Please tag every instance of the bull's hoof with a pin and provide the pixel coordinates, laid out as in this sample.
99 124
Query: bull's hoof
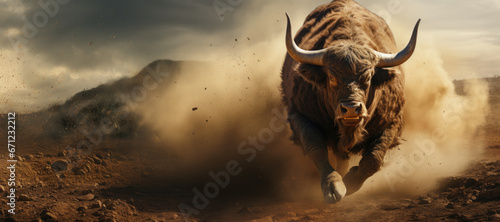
333 188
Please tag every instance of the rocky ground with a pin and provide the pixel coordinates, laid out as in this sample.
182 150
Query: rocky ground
123 179
112 185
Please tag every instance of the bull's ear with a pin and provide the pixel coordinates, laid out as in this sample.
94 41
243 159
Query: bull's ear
312 74
383 75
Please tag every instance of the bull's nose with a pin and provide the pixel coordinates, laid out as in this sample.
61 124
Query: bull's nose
350 108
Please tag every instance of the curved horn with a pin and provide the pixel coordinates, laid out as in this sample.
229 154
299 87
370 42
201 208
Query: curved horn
396 59
314 57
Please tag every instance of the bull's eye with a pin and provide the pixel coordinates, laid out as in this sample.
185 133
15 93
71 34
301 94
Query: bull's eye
366 82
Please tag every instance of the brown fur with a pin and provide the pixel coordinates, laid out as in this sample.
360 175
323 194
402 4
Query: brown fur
312 91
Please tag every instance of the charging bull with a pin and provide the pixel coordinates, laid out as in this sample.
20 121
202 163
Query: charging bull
343 86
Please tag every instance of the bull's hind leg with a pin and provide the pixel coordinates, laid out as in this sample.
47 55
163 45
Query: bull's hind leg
314 144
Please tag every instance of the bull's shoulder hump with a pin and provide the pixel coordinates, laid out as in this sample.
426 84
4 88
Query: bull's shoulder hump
341 20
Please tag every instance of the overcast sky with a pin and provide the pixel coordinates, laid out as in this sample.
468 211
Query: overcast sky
45 57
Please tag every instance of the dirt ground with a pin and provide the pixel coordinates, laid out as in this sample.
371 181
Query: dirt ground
120 180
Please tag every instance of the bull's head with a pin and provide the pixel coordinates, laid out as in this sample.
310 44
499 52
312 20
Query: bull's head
349 68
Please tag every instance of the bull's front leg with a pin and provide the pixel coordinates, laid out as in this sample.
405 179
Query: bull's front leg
368 165
371 161
313 141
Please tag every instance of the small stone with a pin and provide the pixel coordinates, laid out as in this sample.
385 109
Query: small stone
82 208
96 160
86 167
29 157
62 153
87 197
97 204
425 201
60 165
2 189
48 216
98 213
24 197
19 158
112 206
80 172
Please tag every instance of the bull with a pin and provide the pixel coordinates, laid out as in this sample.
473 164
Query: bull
342 85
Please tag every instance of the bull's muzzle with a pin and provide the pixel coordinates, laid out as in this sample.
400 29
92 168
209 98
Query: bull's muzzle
352 113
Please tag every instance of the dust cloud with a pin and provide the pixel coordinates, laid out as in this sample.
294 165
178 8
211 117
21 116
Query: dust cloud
440 134
208 110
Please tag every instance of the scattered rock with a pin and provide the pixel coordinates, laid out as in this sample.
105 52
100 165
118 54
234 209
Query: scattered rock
19 158
60 165
97 204
98 155
24 197
425 200
2 189
87 197
82 208
80 172
86 167
98 213
48 216
111 205
96 160
62 153
29 157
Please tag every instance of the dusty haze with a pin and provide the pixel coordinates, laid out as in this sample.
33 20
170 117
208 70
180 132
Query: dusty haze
235 96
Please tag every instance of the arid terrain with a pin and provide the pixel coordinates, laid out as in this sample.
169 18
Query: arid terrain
69 171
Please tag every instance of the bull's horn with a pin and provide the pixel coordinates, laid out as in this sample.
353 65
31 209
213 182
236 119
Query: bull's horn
396 59
314 57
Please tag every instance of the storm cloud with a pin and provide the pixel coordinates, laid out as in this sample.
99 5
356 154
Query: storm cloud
87 43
